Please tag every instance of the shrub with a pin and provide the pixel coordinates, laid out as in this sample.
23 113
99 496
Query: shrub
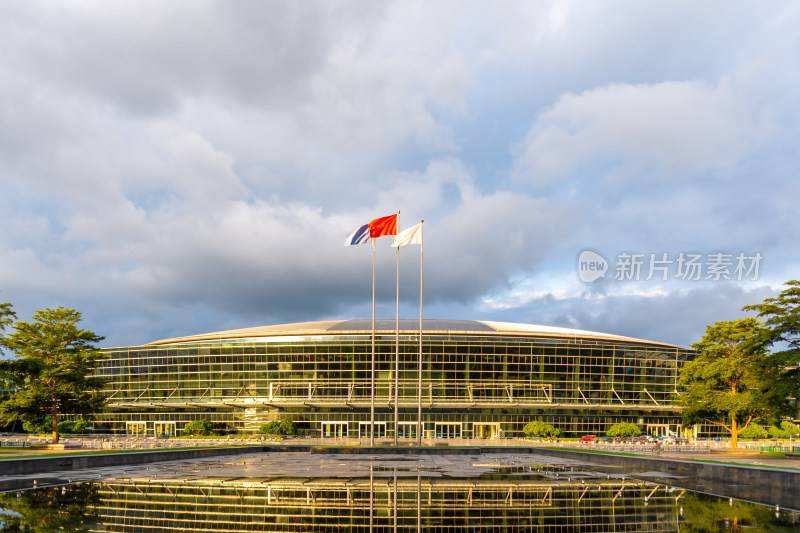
754 431
777 433
787 426
72 426
279 427
80 425
782 432
200 427
624 429
538 428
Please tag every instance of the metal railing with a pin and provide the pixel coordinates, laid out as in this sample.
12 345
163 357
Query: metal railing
140 442
773 448
14 443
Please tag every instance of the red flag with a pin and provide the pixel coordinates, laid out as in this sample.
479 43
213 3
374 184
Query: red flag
383 226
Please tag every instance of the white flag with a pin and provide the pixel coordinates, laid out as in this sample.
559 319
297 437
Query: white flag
412 235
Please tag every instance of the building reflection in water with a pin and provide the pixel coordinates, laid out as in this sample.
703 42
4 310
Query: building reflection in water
387 500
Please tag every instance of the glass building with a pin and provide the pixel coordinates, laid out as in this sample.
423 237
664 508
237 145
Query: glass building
480 380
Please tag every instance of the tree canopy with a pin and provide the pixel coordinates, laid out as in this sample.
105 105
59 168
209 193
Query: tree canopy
624 429
7 316
279 427
53 373
782 318
202 427
539 428
735 380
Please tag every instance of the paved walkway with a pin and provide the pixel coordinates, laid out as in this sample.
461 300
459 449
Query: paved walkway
712 454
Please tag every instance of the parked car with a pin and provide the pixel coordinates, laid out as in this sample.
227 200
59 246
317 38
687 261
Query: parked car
589 438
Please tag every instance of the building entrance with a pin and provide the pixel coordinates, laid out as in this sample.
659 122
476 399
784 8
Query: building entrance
135 428
486 430
448 430
658 430
164 429
334 430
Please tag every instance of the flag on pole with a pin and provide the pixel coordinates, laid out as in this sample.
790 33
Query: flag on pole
412 235
359 236
383 226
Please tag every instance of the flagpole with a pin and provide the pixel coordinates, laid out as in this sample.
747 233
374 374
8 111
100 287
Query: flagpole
397 345
372 378
420 426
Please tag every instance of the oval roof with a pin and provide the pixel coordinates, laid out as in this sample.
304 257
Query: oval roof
407 326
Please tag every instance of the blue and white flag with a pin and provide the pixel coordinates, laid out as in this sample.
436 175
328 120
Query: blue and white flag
359 236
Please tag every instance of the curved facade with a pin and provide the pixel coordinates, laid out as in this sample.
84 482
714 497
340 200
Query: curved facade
479 380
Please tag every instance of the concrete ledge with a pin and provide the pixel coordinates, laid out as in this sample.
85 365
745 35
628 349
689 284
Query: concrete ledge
35 465
770 486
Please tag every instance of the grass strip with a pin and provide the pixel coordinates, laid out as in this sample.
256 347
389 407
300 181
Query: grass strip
114 452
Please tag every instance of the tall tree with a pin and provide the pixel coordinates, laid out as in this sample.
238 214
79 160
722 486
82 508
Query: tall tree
782 316
734 380
7 316
53 371
782 319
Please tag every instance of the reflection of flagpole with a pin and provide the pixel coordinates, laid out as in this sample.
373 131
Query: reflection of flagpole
420 426
397 345
372 378
371 496
395 496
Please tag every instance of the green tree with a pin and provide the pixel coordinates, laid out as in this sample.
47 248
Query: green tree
200 427
279 427
624 429
539 428
734 380
782 318
287 427
38 425
53 372
7 316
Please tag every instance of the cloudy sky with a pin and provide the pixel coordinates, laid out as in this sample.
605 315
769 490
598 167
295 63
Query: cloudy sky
178 167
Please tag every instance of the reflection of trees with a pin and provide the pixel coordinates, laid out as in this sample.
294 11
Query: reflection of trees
708 513
50 509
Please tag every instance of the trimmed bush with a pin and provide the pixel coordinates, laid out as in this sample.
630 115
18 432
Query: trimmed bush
754 431
624 429
538 428
200 427
72 426
80 425
279 427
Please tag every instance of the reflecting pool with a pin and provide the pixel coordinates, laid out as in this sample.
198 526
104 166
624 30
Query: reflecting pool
278 492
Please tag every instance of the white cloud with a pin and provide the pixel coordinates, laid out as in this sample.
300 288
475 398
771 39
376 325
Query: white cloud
669 130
